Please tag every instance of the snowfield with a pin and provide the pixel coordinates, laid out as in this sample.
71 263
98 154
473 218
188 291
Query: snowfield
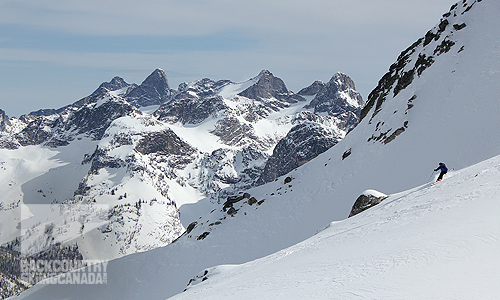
436 241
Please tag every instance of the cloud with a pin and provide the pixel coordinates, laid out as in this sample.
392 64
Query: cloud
202 17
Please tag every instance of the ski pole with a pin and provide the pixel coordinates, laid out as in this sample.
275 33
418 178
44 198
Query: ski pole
431 176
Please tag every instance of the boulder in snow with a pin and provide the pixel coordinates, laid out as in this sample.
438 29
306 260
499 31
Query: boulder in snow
368 199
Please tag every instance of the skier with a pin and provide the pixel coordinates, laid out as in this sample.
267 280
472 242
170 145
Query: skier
443 169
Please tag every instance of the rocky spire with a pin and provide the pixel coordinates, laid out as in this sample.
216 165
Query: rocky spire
4 120
269 86
154 90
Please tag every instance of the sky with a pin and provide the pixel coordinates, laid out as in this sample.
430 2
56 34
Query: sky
55 52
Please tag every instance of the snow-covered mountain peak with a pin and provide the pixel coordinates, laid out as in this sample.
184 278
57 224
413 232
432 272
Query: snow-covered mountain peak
343 83
116 83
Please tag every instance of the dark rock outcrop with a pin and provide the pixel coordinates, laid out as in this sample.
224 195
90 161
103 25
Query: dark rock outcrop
165 142
301 144
154 90
4 121
366 201
436 42
188 109
331 99
313 89
234 133
193 103
115 84
268 86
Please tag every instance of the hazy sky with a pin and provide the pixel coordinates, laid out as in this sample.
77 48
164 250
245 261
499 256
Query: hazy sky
54 52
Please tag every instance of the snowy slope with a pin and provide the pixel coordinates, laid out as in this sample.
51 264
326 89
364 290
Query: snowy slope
19 168
432 242
452 118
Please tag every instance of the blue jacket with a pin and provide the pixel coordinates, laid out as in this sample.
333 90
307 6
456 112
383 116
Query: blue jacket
443 168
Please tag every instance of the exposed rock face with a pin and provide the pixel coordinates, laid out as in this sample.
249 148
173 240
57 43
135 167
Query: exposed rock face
436 42
301 144
115 84
331 99
4 121
8 128
165 142
232 132
45 112
92 119
202 88
313 89
367 200
334 102
193 103
268 87
188 109
154 90
329 96
95 119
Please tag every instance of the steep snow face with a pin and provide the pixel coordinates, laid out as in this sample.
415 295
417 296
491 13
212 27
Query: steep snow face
431 242
437 102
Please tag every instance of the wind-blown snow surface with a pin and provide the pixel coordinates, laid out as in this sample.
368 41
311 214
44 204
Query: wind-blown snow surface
432 242
452 119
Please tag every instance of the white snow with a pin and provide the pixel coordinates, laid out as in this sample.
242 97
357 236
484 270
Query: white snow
149 109
232 89
433 242
25 170
374 193
199 136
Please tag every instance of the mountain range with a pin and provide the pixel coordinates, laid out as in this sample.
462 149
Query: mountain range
288 236
128 156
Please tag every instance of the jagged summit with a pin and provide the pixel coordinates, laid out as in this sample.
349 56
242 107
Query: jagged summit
154 90
4 120
268 86
338 96
114 84
158 80
313 89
